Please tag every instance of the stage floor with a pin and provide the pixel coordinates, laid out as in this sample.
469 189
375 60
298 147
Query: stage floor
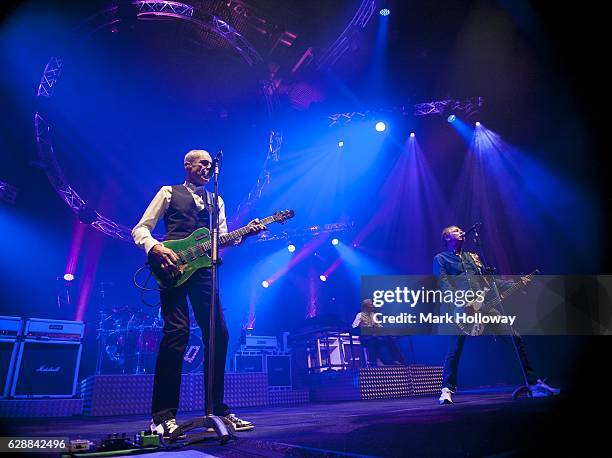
479 423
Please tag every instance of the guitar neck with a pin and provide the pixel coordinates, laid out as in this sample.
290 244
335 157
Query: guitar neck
225 239
228 238
512 290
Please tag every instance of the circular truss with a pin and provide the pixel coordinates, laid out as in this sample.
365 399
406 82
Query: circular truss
111 17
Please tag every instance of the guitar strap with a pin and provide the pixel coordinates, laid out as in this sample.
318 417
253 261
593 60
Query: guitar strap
207 199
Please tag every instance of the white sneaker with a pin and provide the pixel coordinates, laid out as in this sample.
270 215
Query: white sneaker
541 390
236 424
166 428
445 397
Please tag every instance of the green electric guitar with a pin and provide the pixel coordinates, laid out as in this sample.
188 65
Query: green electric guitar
194 251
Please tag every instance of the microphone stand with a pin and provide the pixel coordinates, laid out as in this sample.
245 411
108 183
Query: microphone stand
524 389
210 420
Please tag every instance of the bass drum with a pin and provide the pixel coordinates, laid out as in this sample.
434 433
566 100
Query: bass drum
193 359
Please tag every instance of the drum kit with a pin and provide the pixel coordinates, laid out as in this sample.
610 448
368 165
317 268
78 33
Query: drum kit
129 338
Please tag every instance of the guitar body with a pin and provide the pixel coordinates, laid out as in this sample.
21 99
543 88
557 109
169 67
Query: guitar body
194 259
194 251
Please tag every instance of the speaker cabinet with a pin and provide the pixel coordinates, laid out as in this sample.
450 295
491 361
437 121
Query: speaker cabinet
279 370
46 369
248 363
11 329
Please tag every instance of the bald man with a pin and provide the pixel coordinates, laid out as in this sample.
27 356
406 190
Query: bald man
185 208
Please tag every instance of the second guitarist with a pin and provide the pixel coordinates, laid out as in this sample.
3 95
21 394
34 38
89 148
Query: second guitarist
459 269
184 209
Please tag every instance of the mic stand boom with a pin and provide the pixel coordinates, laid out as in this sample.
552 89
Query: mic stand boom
210 420
512 335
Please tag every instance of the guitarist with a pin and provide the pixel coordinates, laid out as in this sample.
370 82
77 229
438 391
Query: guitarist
185 208
458 269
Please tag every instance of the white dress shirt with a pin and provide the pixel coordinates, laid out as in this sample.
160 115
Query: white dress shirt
158 206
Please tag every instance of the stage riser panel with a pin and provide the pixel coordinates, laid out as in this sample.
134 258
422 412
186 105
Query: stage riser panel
388 382
131 394
38 408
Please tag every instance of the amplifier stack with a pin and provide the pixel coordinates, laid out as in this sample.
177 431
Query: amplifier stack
263 354
40 357
11 329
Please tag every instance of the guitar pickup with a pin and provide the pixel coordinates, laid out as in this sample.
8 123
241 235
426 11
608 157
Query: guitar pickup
192 256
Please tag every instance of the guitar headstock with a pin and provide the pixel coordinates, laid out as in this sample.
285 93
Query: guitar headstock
284 215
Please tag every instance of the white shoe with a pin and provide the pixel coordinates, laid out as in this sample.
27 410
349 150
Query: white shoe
235 424
166 428
541 390
445 396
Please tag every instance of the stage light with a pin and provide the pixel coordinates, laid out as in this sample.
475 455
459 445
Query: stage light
380 126
265 284
68 277
322 278
412 135
451 118
335 242
477 123
340 144
291 248
385 12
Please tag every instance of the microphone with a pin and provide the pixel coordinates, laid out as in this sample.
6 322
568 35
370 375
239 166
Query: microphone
214 164
475 227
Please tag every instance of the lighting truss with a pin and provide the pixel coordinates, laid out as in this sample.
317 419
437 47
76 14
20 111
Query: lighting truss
179 9
343 42
8 193
306 232
52 72
468 106
274 146
440 107
107 17
275 141
153 9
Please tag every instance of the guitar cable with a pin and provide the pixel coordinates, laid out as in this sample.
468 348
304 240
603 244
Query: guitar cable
143 288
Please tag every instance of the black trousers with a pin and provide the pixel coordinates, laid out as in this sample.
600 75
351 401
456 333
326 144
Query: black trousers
451 363
168 368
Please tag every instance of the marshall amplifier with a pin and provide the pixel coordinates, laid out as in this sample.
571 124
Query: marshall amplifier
48 359
10 330
46 369
43 329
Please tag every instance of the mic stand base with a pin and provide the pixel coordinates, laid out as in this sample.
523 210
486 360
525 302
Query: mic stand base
522 391
208 421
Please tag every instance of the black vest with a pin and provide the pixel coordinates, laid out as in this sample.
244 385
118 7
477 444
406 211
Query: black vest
182 216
